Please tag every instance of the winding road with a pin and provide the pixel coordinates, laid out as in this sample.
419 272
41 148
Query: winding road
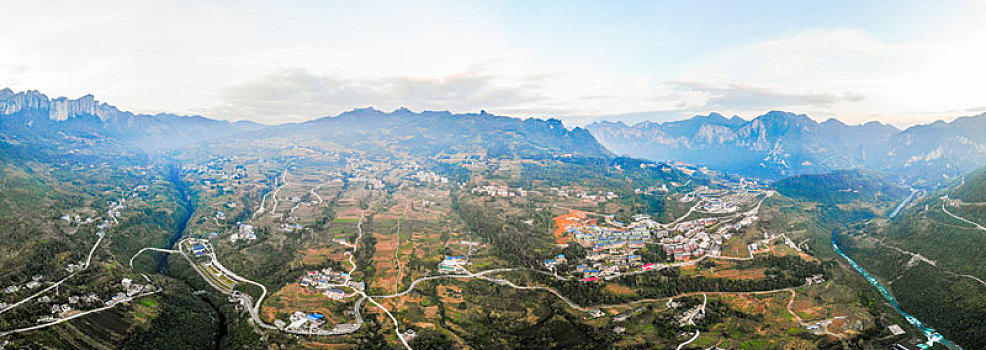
60 282
978 226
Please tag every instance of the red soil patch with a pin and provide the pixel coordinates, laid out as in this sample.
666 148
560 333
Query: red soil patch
568 221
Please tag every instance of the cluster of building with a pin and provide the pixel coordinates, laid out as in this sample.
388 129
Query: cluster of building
215 171
291 227
429 177
452 263
554 262
690 240
77 219
691 315
245 233
327 281
371 183
614 249
499 191
57 309
130 289
302 321
594 196
815 279
718 206
652 190
762 244
199 249
34 283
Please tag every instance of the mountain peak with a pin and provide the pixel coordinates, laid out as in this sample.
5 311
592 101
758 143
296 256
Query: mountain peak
715 115
357 112
785 114
58 109
833 123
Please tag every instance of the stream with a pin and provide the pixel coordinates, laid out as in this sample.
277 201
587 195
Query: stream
932 335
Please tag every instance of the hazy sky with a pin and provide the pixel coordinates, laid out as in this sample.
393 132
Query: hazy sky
894 61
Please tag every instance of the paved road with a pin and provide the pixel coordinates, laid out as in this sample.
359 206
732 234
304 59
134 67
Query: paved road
169 251
689 340
978 226
69 318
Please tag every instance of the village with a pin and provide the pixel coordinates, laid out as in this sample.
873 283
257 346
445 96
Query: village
67 303
614 248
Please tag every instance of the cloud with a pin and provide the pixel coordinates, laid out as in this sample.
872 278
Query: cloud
295 94
744 97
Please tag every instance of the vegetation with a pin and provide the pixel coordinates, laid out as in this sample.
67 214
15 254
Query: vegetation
839 187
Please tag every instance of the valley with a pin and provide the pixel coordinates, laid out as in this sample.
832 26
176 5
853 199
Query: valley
311 238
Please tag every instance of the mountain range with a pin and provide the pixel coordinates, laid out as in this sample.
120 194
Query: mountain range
771 146
33 117
779 144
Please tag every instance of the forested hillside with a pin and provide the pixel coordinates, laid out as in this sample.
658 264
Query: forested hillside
840 187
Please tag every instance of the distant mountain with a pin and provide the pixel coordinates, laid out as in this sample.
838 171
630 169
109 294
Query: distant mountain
433 133
779 144
842 186
30 116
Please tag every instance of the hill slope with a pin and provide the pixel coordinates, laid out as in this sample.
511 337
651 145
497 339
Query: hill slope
933 254
842 186
973 187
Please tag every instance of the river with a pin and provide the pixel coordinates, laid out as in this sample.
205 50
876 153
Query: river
902 203
932 335
174 176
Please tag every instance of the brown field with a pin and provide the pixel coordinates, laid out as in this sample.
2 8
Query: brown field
735 248
726 269
750 274
320 345
446 292
423 325
315 256
619 289
431 312
349 213
805 306
383 261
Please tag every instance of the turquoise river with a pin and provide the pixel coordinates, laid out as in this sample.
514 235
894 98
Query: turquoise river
932 335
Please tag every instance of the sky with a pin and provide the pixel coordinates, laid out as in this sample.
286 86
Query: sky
898 62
